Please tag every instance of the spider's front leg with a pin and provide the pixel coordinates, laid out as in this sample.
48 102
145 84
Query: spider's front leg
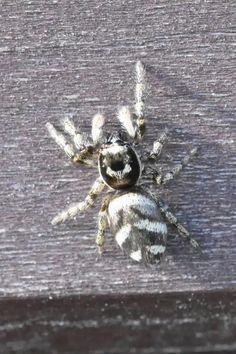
172 219
161 179
135 127
74 209
139 100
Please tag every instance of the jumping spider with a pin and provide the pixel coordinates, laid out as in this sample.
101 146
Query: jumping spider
134 215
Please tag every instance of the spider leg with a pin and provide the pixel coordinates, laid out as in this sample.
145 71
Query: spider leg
155 153
135 129
172 219
80 139
126 119
102 224
60 140
74 209
139 100
98 123
158 146
161 179
69 148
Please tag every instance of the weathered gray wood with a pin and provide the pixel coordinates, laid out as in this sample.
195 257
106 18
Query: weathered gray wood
73 58
61 57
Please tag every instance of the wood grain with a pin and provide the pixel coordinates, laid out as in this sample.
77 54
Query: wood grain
167 323
60 58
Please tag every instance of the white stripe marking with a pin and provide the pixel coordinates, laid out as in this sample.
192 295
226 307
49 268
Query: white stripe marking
115 149
136 256
132 200
152 226
155 249
123 234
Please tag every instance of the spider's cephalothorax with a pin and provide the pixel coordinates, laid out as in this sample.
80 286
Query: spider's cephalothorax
119 164
133 214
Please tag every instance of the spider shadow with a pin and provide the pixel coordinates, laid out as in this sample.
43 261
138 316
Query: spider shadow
177 88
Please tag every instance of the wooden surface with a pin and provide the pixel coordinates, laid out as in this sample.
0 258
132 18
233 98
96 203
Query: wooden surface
167 323
60 58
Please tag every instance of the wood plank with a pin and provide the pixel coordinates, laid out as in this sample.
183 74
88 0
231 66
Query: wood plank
164 323
60 58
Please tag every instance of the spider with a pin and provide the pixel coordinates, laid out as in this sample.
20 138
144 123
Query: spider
135 216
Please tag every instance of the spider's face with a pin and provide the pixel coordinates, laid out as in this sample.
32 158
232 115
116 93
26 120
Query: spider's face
119 165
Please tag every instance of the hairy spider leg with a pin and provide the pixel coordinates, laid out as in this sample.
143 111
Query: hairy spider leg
161 179
158 146
98 123
172 219
68 147
102 224
74 209
139 100
126 119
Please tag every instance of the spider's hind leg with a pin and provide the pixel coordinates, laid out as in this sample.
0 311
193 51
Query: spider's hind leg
172 219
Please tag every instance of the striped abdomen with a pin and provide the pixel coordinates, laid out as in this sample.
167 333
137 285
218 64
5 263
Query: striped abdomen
135 220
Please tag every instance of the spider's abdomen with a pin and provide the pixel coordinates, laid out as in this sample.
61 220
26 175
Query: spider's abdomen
139 230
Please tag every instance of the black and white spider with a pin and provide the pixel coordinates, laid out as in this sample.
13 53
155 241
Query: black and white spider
134 215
